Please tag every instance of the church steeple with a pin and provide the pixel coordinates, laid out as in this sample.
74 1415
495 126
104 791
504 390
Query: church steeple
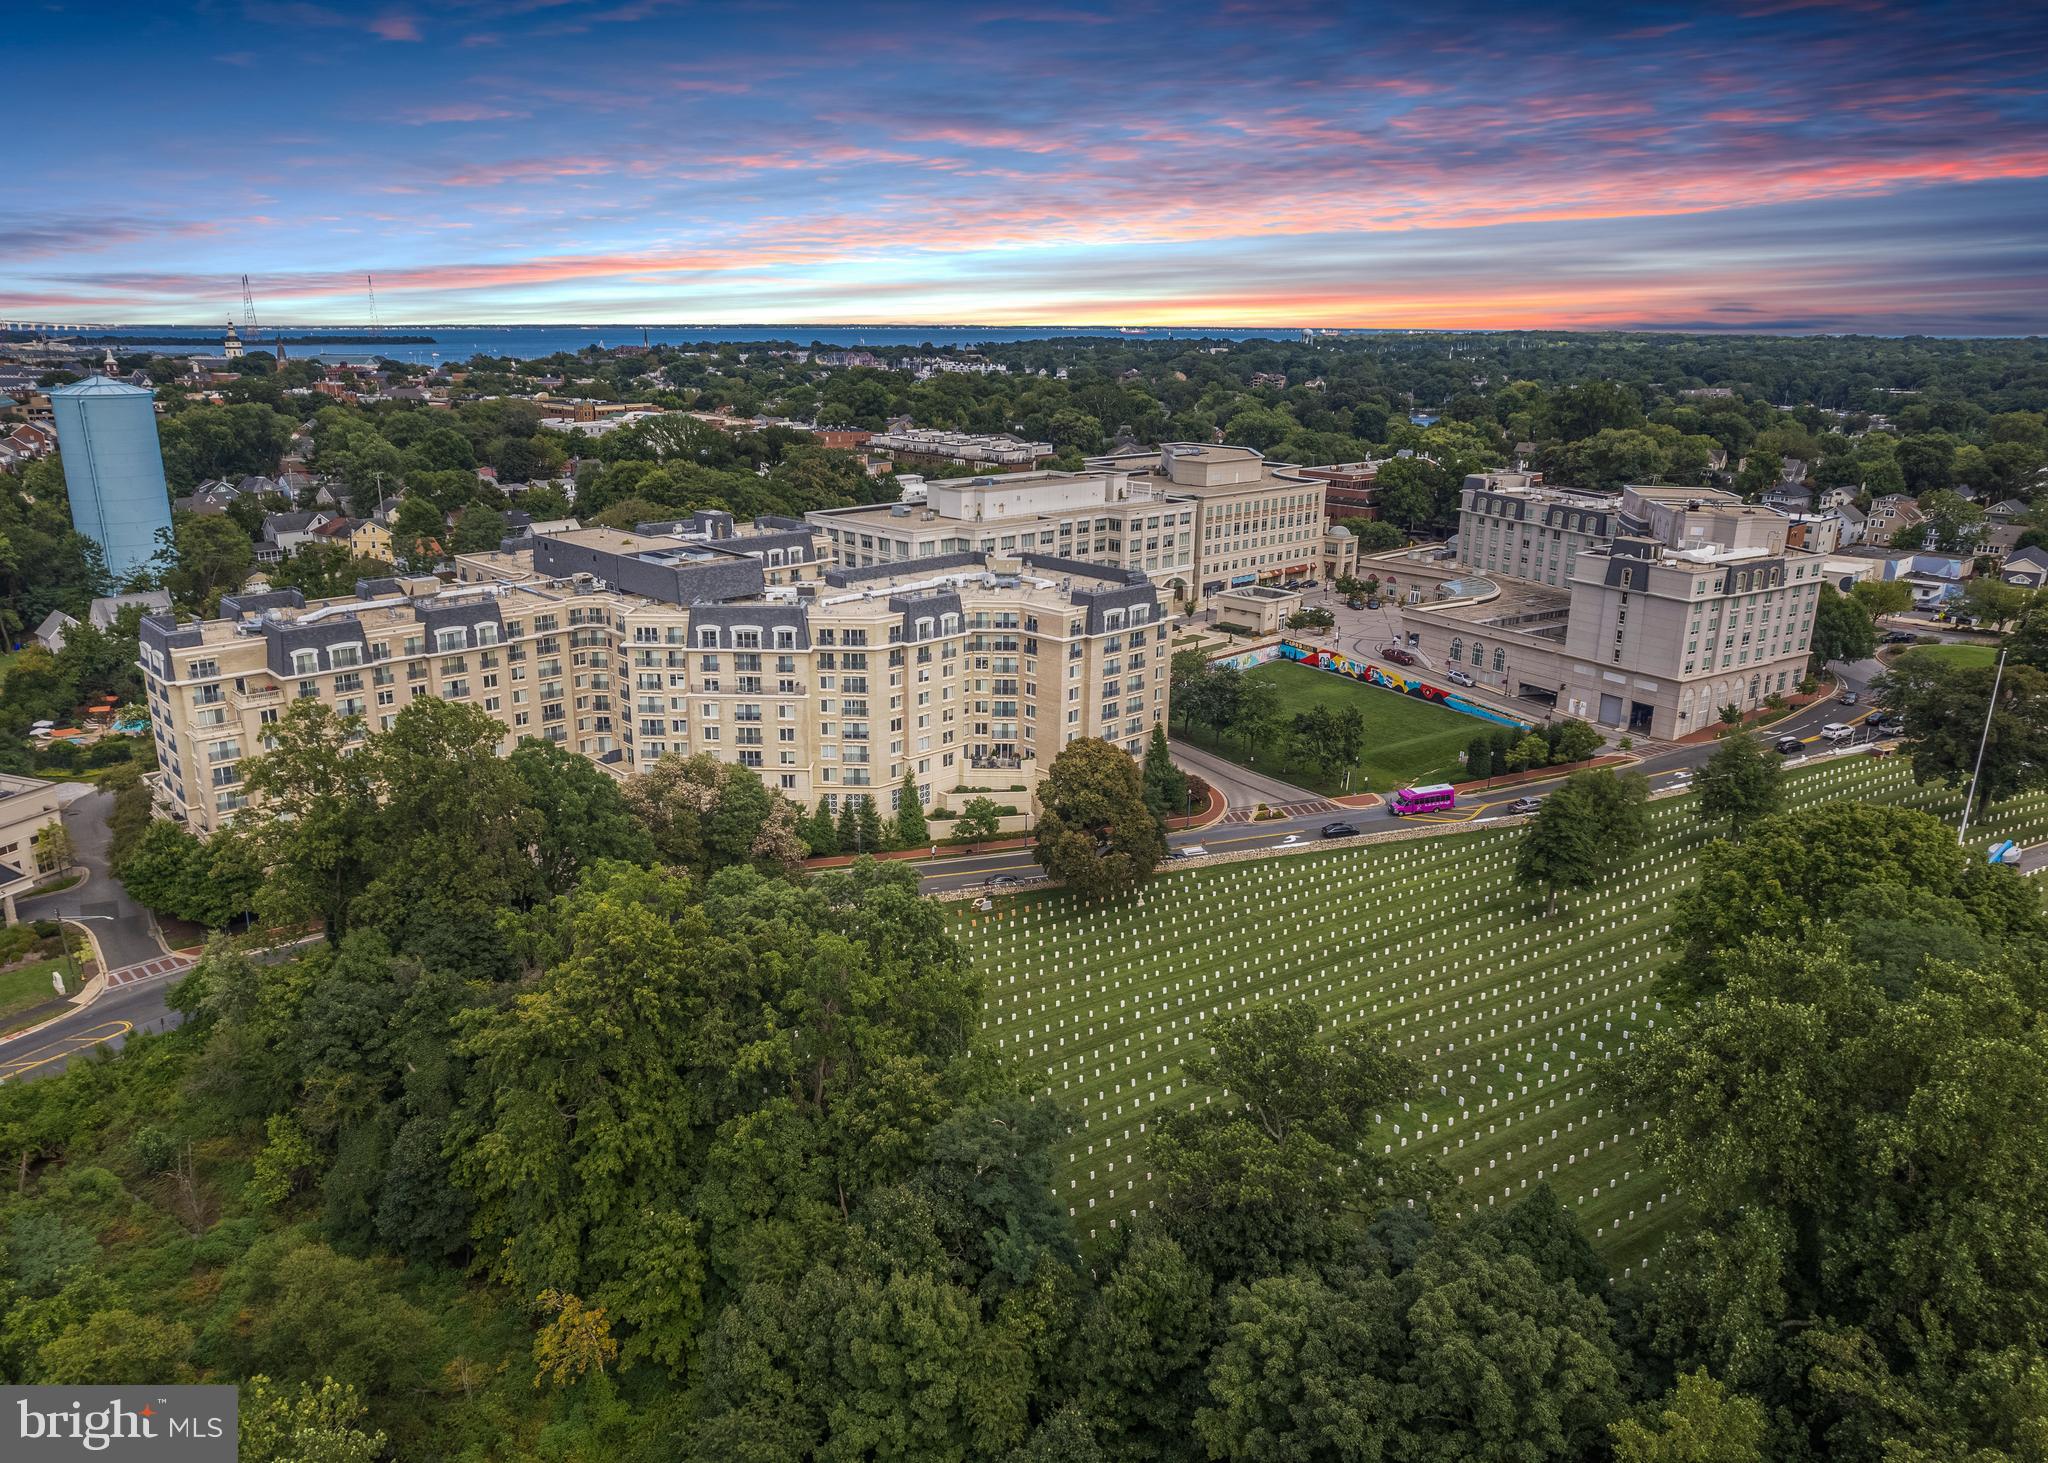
231 343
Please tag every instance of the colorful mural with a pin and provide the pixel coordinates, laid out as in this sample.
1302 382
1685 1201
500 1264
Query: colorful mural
1317 658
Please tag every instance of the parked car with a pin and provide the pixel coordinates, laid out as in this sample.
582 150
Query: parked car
1460 678
1004 881
1191 850
1790 746
1897 637
1525 805
1372 604
1398 656
1837 731
1354 603
1847 698
1340 830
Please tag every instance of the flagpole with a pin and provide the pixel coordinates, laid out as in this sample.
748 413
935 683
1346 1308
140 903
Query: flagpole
1983 737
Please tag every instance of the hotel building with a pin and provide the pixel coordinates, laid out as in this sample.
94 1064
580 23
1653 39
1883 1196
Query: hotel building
1645 612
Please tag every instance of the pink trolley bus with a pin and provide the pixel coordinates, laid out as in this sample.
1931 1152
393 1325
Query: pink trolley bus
1436 797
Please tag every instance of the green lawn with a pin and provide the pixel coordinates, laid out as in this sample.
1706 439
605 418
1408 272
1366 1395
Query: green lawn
28 987
1428 940
1957 655
1406 741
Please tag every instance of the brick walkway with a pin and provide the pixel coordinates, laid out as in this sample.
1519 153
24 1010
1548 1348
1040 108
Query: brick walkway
1282 810
162 965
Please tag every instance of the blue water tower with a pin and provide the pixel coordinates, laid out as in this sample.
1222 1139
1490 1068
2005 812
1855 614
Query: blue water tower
113 468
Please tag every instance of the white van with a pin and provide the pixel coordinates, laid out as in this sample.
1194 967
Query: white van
1836 731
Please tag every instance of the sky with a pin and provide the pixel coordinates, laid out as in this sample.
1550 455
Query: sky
1776 165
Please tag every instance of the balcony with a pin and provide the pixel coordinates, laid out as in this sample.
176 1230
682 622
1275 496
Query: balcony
253 697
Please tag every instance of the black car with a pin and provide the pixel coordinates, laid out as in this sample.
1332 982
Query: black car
1339 830
1354 603
1898 637
1788 746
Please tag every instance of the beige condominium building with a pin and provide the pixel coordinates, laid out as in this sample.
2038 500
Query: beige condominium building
1255 521
1668 605
1105 517
625 646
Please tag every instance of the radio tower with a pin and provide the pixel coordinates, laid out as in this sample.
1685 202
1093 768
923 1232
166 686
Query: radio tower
371 283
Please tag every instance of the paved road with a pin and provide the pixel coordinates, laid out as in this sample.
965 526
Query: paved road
1242 787
123 929
1666 767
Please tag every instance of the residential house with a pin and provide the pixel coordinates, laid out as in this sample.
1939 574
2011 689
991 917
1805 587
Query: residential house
1817 533
1996 542
107 608
52 633
1838 496
1789 497
1889 514
386 511
2008 510
283 532
1852 520
2027 568
32 439
369 539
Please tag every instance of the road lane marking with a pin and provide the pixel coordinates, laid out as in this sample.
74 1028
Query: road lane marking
42 1056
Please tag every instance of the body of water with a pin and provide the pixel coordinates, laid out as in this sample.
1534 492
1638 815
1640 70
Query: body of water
460 342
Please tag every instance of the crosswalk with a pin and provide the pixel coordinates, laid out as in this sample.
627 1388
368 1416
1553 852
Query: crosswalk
1284 810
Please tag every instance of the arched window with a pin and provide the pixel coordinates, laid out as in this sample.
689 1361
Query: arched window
1478 653
1500 658
1458 648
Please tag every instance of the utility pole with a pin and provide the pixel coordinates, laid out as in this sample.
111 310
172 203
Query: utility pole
1983 738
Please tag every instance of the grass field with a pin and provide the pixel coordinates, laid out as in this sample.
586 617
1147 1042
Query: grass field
1406 741
1428 940
1964 655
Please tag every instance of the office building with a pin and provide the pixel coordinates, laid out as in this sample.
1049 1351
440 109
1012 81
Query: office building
964 669
1255 521
113 468
28 805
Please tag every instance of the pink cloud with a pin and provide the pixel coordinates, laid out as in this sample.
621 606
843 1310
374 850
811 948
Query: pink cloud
395 27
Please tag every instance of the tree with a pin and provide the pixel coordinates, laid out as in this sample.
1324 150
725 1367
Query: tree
480 531
1945 706
1479 756
1411 492
1166 786
867 822
1740 783
1698 1421
1530 752
1094 832
1585 831
1314 618
207 555
1282 1171
821 833
1993 601
1854 1160
305 1424
980 819
1842 628
1572 740
575 1341
1146 1337
911 829
417 531
54 849
1257 712
583 814
1881 597
1883 874
1375 536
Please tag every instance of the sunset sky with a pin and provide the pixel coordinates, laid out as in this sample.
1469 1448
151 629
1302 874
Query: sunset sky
1758 164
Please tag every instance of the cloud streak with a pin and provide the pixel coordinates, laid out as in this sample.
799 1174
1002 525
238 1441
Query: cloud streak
527 158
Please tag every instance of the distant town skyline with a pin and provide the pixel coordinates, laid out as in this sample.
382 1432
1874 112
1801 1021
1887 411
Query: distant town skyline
1775 165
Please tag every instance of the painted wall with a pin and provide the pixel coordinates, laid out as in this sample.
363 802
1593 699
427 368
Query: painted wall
1386 678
